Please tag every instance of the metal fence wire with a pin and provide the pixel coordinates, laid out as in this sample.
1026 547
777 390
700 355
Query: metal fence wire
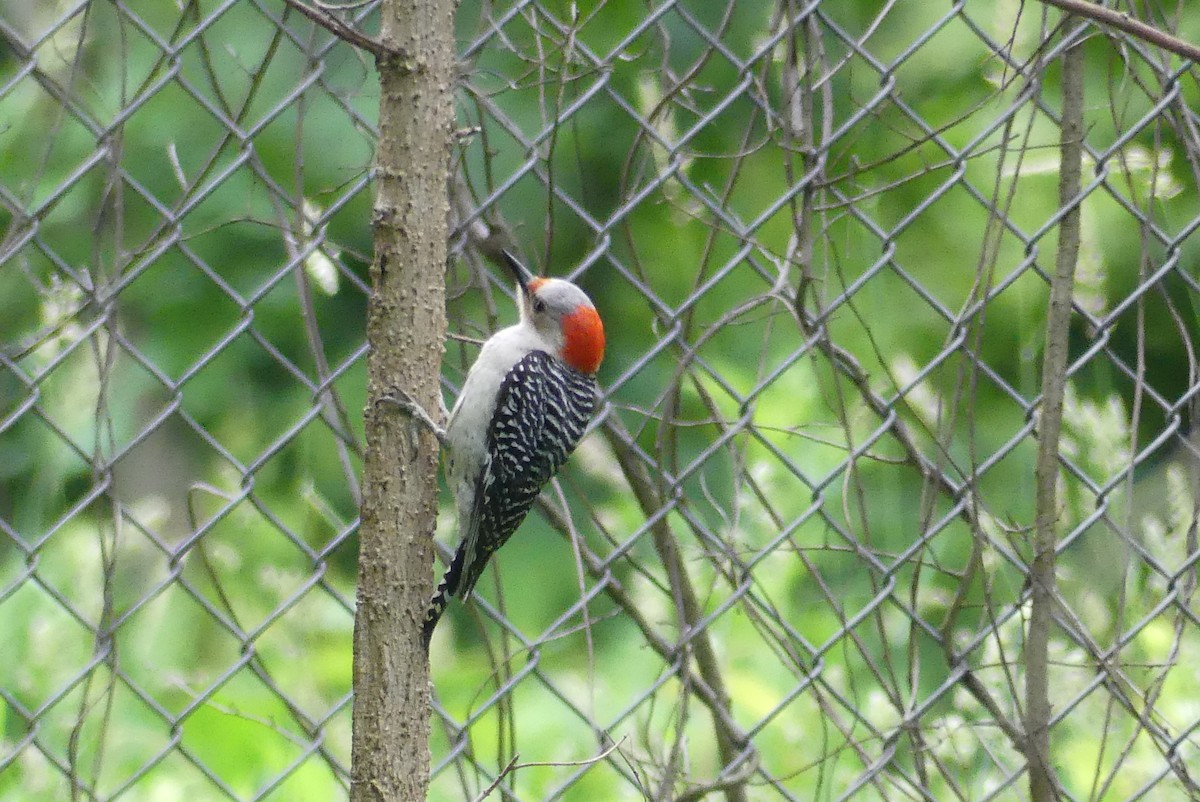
791 558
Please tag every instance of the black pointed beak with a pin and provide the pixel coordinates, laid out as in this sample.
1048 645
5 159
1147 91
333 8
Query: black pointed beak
520 272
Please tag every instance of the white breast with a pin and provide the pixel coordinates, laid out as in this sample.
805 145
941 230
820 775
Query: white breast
470 420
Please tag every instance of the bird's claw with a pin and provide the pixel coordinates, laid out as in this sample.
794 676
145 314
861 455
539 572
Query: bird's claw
399 397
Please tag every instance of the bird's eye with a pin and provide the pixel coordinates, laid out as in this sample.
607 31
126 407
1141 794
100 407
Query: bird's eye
539 305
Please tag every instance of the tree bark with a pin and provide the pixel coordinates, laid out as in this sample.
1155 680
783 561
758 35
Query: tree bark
405 326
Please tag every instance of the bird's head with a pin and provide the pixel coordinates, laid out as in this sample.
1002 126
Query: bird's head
562 314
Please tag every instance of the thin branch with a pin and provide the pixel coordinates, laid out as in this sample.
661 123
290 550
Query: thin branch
729 746
670 655
345 32
513 766
1130 25
1043 785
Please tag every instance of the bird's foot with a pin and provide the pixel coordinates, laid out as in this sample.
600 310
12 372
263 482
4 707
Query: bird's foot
398 397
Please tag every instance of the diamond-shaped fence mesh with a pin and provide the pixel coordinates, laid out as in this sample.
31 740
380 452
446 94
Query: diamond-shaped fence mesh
790 560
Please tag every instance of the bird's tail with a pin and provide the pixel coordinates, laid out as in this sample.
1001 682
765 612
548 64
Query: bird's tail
441 599
437 606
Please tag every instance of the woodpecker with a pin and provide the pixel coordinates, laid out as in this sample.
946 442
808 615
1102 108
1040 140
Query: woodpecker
521 412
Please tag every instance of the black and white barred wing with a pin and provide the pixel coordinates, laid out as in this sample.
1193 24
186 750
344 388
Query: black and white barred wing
542 410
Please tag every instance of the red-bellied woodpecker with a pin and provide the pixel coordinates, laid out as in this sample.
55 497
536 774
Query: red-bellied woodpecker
523 408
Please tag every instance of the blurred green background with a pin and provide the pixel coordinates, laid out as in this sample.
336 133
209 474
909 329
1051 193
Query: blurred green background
185 212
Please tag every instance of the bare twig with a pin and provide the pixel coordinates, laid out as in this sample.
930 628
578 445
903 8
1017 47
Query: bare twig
199 550
513 766
1043 786
729 746
715 701
346 32
1130 25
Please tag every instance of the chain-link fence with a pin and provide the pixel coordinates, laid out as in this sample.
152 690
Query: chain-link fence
791 560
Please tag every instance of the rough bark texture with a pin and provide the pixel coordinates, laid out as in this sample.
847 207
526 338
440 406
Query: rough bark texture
405 326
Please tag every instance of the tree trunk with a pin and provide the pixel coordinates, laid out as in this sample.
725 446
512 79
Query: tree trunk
405 327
